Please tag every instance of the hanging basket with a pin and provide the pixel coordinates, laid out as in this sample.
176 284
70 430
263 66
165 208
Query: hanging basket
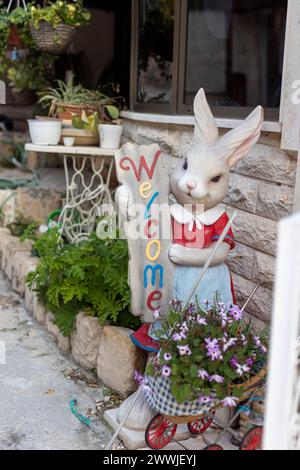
53 40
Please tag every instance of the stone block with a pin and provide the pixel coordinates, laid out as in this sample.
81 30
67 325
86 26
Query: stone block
29 299
22 265
254 231
240 260
268 163
242 192
118 358
63 342
274 202
13 247
263 267
85 340
261 304
38 309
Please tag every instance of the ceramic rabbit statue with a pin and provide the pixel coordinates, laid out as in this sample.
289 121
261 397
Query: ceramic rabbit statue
199 183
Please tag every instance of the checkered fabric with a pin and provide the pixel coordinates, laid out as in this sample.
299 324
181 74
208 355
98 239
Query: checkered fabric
160 398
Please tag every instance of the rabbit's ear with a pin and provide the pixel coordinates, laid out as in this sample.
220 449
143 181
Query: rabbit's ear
237 142
206 130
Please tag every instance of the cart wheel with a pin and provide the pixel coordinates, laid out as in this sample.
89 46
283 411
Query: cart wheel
200 425
213 447
159 432
252 439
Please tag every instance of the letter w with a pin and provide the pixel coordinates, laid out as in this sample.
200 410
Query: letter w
142 164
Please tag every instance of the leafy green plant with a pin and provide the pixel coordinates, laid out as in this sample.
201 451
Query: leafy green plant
90 276
59 12
28 74
58 98
207 351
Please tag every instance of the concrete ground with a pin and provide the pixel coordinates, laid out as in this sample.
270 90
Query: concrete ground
36 385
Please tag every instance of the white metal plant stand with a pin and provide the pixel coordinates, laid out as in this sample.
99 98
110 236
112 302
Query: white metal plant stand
88 173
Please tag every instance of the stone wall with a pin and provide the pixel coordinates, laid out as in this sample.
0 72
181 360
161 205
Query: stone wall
261 190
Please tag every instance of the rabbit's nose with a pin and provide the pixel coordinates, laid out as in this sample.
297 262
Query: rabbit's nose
191 184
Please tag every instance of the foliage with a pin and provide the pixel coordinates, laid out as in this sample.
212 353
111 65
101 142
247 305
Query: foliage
207 350
90 276
86 122
59 12
28 74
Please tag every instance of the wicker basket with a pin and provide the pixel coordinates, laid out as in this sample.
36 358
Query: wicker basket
249 387
54 41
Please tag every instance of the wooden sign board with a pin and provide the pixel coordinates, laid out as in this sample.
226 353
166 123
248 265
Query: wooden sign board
151 273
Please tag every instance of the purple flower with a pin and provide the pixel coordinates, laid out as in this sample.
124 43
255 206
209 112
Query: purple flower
236 312
233 362
166 371
243 339
184 350
211 343
176 337
202 374
138 377
216 378
228 343
214 354
263 349
257 341
167 357
156 314
201 320
230 401
240 369
250 362
204 400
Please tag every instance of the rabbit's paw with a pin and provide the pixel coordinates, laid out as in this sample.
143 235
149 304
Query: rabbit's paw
177 253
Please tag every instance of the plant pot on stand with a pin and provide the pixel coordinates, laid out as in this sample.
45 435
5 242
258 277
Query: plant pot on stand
110 135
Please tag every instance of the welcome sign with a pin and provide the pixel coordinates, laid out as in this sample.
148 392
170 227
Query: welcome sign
140 169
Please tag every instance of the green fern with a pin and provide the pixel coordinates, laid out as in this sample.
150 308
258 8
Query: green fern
90 276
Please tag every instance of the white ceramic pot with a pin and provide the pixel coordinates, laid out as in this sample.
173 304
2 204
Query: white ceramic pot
110 135
44 132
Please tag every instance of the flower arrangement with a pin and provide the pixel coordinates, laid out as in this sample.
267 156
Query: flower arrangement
207 351
59 12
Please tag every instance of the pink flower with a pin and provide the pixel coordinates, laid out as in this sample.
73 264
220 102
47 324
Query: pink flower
230 401
216 378
204 400
201 320
167 357
184 350
166 371
236 312
156 314
202 374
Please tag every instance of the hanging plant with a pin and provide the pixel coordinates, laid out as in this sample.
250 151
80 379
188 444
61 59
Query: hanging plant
53 26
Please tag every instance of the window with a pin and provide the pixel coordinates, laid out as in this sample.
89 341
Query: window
231 48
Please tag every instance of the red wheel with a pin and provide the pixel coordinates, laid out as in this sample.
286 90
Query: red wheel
213 447
252 440
159 432
200 425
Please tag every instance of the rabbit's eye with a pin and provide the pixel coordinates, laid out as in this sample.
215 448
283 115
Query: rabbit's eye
185 165
216 179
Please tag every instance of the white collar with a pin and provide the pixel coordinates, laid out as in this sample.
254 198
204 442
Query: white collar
209 217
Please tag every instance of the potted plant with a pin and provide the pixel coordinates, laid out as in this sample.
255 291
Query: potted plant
67 100
85 111
53 25
209 356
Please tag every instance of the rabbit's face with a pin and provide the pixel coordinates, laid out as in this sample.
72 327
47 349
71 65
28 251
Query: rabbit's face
202 176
